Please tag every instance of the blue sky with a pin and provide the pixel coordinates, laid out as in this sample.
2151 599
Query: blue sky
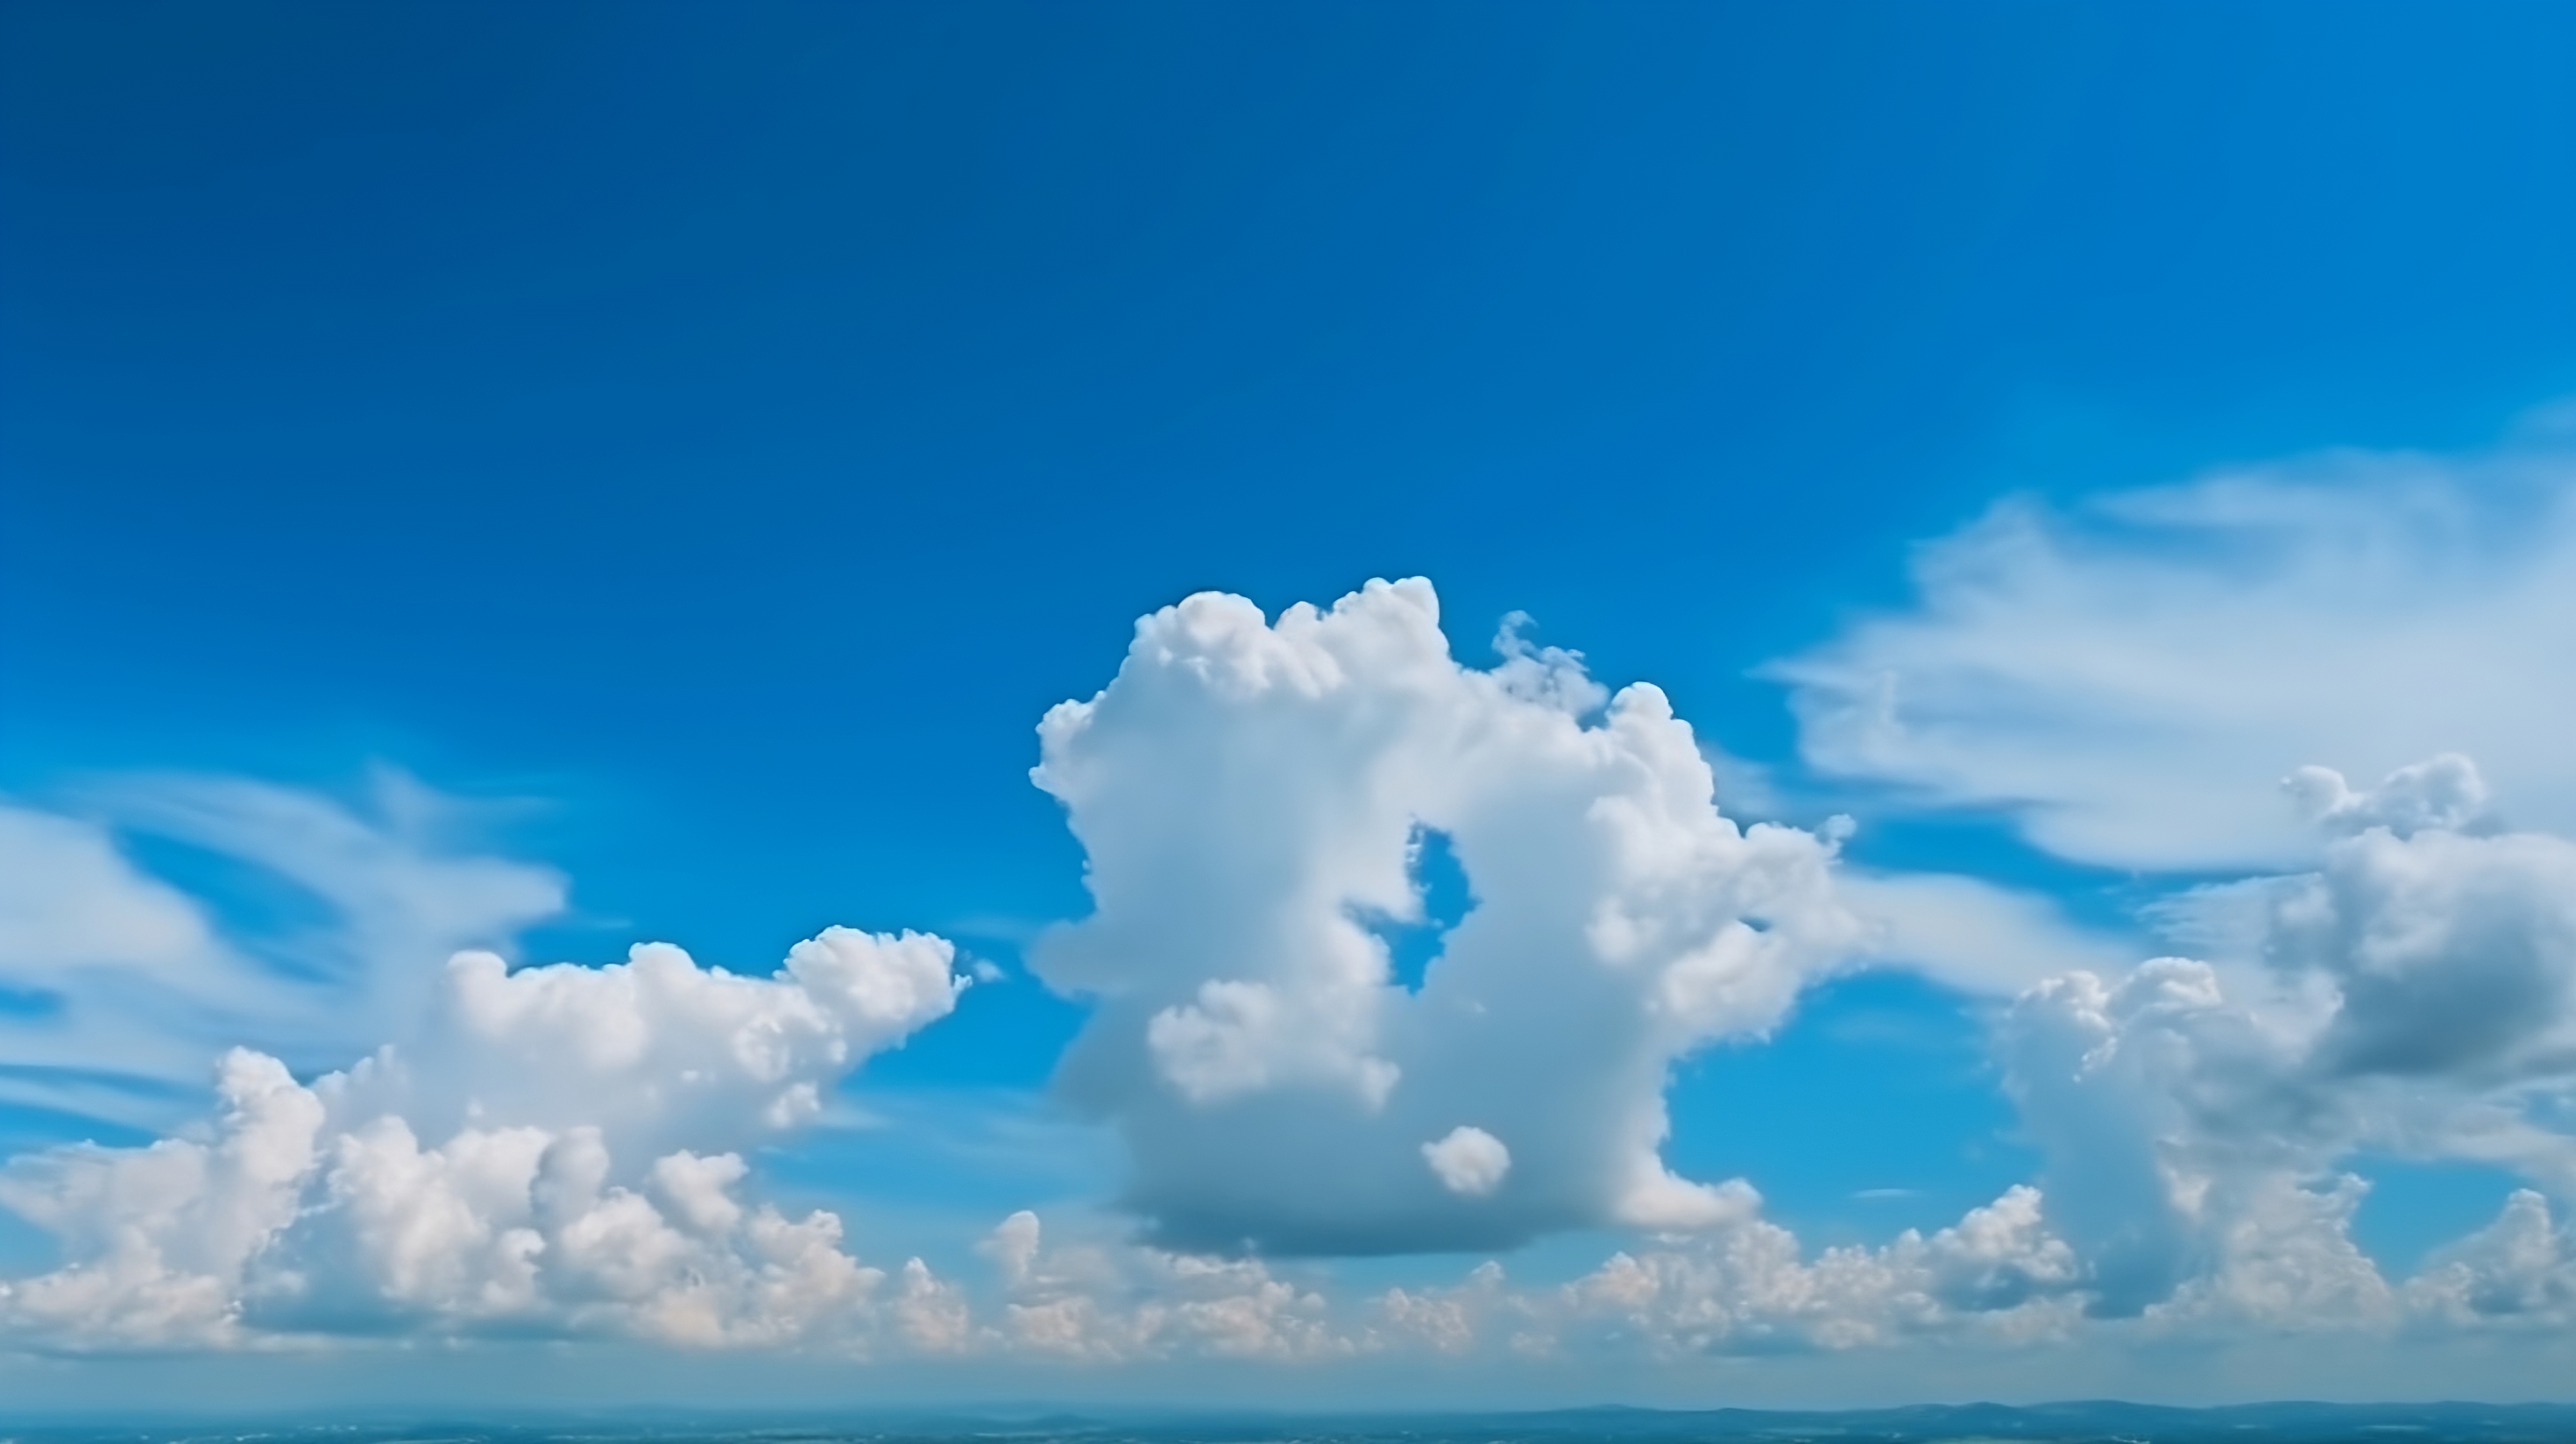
553 480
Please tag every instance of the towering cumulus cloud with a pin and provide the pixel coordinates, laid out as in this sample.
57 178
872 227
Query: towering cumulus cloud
549 1149
1255 800
2415 994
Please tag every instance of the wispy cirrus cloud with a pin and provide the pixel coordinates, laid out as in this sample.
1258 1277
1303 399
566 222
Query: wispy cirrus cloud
2129 677
127 984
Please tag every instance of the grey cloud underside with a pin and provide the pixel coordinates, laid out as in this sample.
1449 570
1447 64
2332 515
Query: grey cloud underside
2416 994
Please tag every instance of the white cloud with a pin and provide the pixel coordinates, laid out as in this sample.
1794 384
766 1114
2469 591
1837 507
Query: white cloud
2282 1258
550 1149
2517 1272
2444 792
563 1150
2149 680
117 973
1999 1272
1449 1320
2126 1089
1747 1286
401 896
1118 1303
69 900
1970 934
1249 797
2129 677
157 1235
143 983
1468 1161
657 1052
2415 994
2452 955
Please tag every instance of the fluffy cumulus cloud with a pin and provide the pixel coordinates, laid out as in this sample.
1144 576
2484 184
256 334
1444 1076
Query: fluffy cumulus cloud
2415 994
2519 1271
2130 676
1253 798
550 1149
2410 995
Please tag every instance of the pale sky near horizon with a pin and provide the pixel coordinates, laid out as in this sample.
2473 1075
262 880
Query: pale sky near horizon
1323 704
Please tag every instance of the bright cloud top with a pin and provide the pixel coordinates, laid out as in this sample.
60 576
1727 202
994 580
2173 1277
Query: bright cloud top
539 1153
1252 797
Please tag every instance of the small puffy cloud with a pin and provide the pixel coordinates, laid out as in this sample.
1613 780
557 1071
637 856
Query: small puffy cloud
400 892
2128 677
553 1149
1468 1161
1448 1320
2443 792
1251 799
